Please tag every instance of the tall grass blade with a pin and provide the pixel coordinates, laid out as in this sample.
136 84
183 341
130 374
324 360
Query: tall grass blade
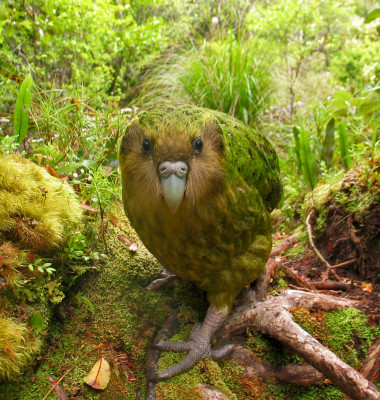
308 162
328 144
344 145
296 134
22 106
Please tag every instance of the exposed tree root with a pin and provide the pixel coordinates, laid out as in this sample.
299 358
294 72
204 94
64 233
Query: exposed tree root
302 375
169 328
271 316
371 367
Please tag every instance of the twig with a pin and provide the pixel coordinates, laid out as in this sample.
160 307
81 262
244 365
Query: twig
343 263
297 278
316 251
58 391
329 285
285 244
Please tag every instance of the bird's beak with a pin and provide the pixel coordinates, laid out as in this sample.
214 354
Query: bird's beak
173 178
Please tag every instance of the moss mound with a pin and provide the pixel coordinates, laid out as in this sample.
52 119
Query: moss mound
37 213
17 347
36 209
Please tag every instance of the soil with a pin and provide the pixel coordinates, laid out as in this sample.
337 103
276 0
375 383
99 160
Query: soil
362 276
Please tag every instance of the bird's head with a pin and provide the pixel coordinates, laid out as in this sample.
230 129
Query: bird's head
172 159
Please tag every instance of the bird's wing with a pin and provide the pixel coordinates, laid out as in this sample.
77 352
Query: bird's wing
252 157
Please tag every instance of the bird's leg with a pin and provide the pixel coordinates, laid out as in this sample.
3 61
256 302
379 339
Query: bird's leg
198 346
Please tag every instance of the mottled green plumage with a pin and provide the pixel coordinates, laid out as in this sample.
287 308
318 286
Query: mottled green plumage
220 236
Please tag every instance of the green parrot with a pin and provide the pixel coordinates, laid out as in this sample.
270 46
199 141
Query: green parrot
198 187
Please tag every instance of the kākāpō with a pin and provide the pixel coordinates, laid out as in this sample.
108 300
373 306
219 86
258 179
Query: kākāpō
198 187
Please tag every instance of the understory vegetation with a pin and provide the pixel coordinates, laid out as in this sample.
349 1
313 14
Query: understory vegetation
306 74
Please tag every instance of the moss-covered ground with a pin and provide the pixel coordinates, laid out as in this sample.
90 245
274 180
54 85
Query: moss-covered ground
108 308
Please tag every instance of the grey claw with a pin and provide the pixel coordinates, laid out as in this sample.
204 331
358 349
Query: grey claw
186 363
222 352
176 347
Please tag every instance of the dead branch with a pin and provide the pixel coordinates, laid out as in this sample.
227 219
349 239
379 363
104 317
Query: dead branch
330 285
285 245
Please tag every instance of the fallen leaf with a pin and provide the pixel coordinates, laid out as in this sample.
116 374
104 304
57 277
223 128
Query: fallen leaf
124 239
100 374
88 208
52 172
113 220
367 287
330 246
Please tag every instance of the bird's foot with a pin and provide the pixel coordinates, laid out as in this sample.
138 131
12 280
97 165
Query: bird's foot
198 346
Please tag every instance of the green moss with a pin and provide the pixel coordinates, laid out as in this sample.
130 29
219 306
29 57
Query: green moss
345 332
18 345
312 321
290 392
354 193
269 350
349 335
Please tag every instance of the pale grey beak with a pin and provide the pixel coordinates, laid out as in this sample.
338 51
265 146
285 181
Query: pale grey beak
173 178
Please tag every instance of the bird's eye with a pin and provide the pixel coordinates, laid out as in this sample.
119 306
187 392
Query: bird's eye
147 146
198 145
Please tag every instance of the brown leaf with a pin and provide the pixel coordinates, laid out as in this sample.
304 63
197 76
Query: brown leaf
52 172
86 207
124 239
113 220
366 287
99 376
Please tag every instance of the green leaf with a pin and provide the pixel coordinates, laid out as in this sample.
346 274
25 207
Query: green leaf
371 107
22 106
359 101
374 14
343 145
343 95
328 144
340 112
308 161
